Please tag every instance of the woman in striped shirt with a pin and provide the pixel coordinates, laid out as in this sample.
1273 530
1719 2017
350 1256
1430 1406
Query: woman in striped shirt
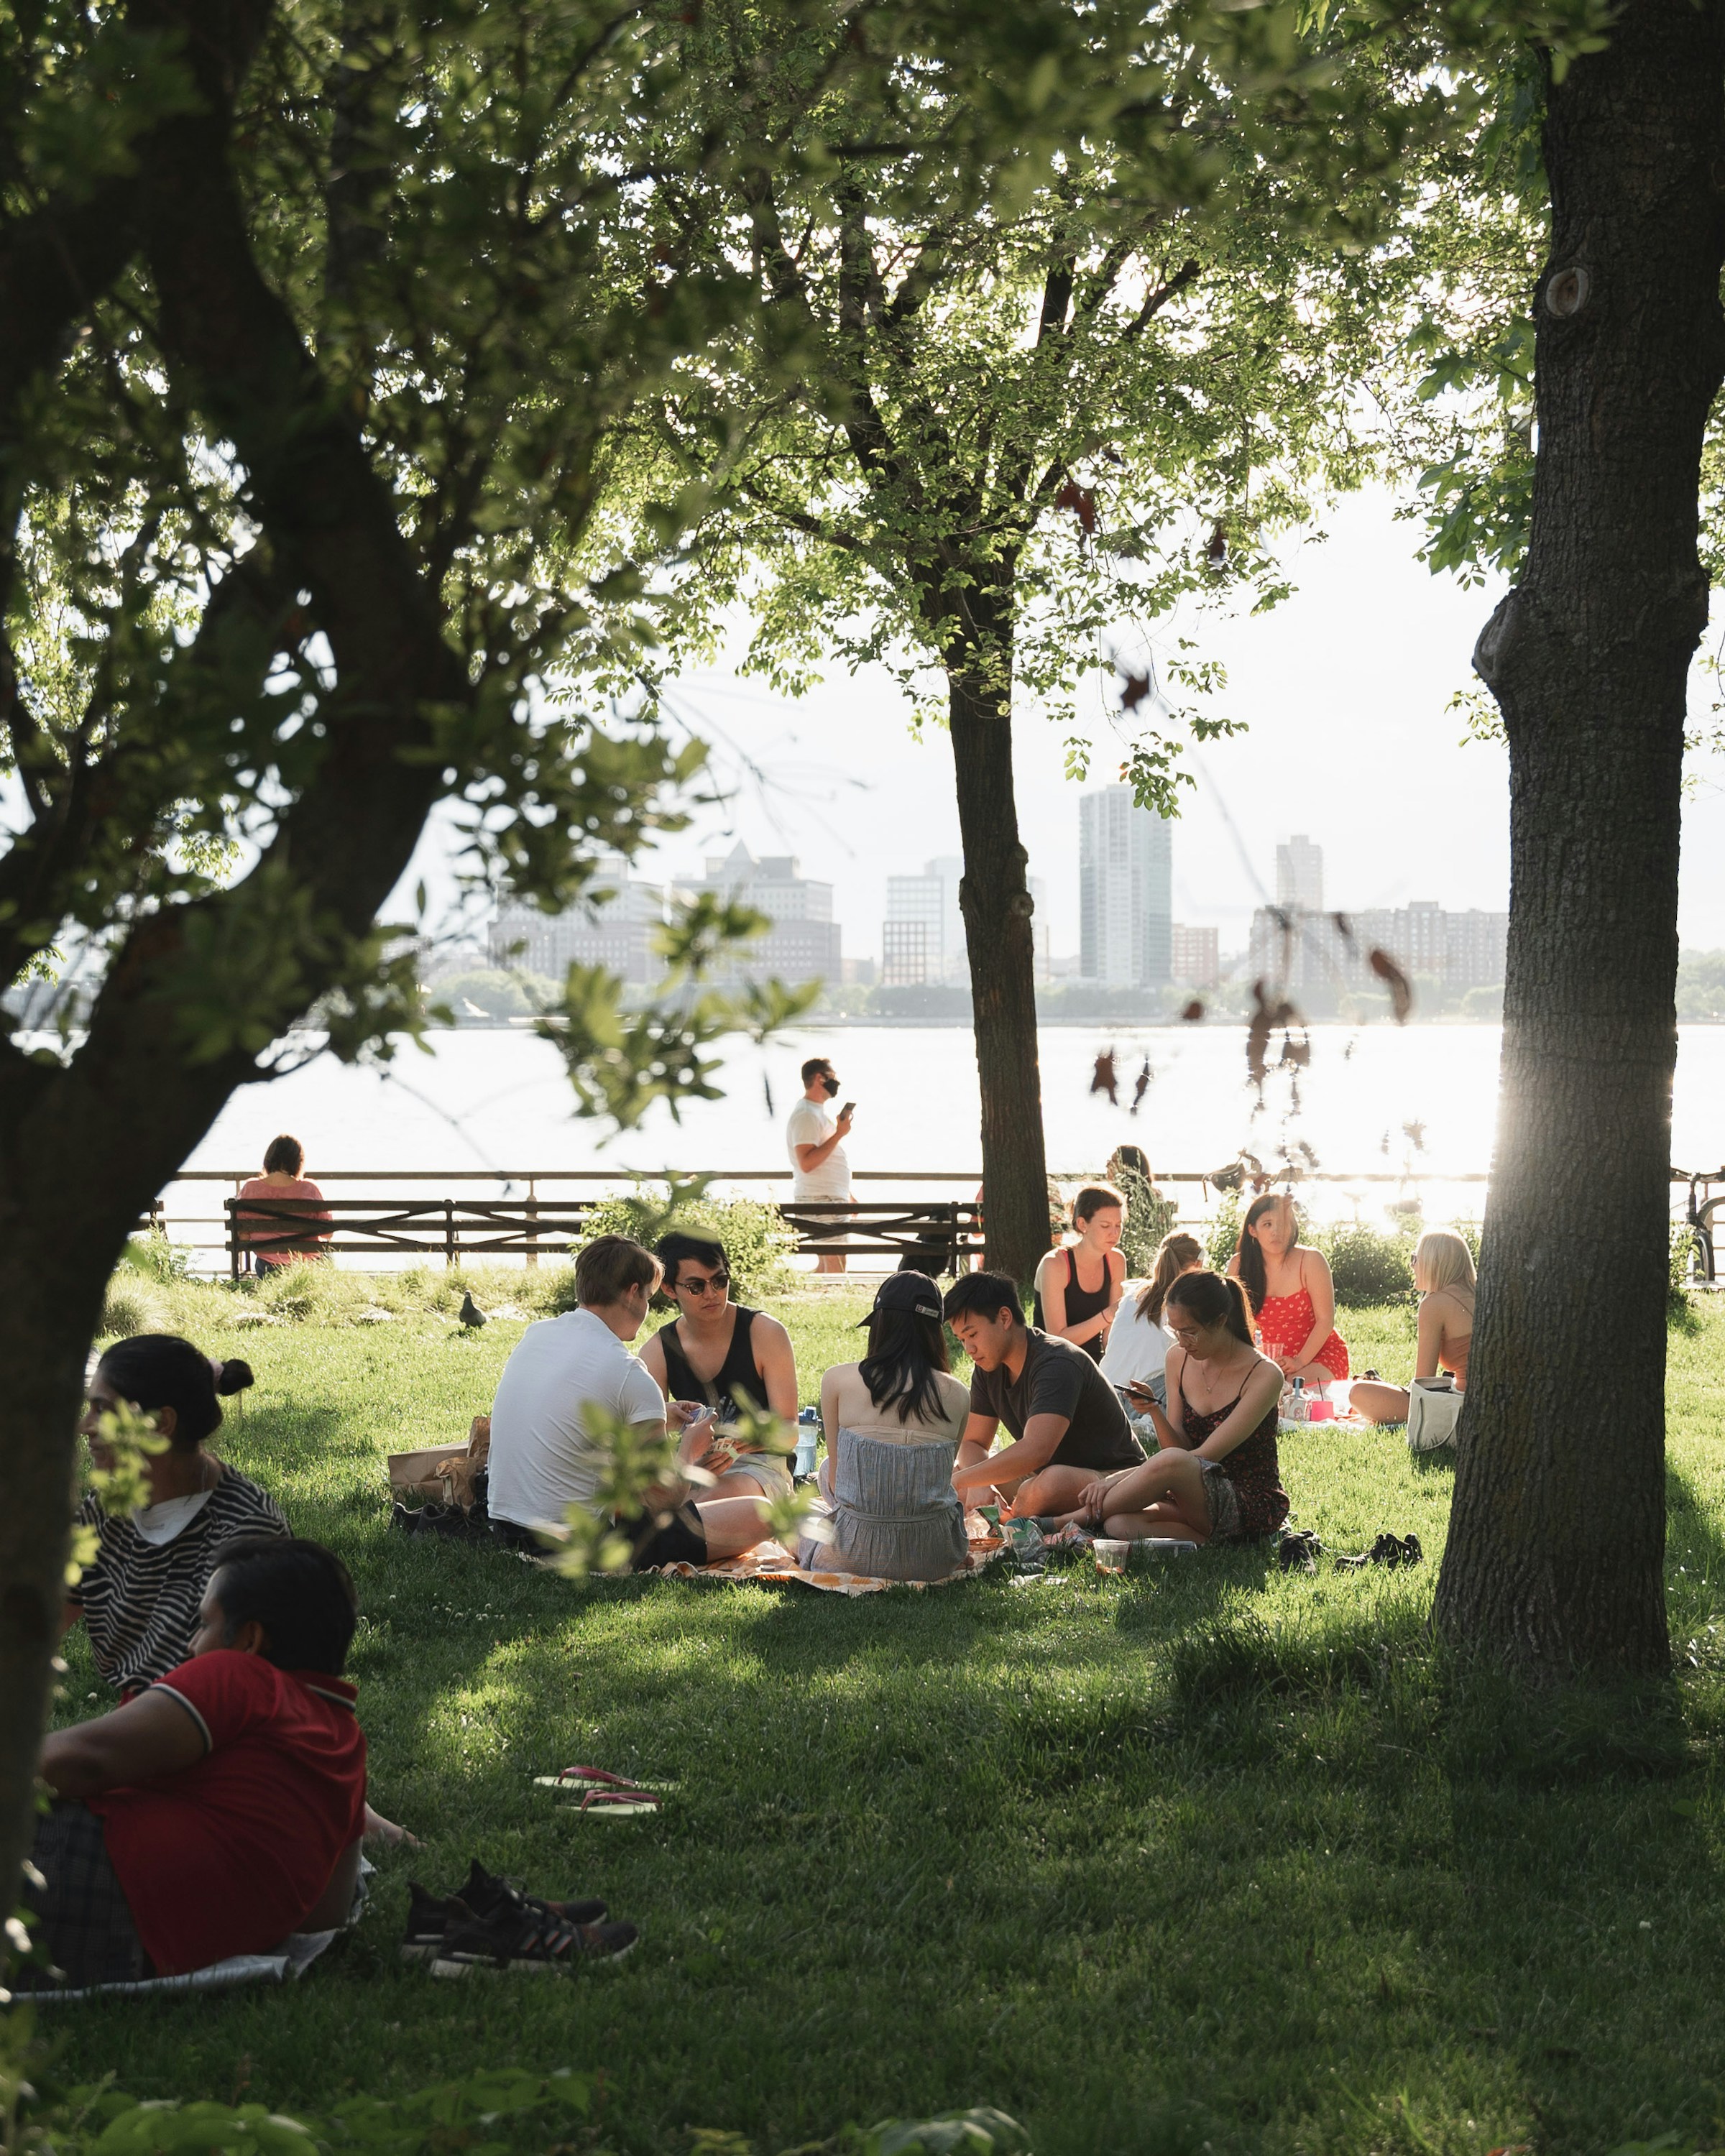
139 1597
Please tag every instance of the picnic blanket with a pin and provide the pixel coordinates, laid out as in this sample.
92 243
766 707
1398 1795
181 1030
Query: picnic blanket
772 1564
289 1961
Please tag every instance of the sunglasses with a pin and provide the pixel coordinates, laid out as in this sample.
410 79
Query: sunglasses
688 1284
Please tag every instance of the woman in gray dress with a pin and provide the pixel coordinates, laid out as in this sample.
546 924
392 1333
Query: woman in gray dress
892 1423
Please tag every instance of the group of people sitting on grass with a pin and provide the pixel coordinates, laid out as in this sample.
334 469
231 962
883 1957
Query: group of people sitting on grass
1151 1418
220 1807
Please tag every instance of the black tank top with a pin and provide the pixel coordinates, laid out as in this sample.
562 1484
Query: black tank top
736 1373
1081 1302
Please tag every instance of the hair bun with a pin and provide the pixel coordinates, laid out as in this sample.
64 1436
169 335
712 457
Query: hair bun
235 1376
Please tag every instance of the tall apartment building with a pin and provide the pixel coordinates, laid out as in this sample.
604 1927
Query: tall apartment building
805 942
1194 957
1300 875
1125 891
618 932
922 938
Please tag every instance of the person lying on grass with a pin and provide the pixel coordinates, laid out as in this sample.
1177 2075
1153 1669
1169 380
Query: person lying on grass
1065 1419
222 1808
719 1353
565 1378
1217 1478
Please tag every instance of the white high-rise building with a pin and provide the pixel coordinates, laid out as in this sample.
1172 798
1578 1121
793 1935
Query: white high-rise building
929 901
1300 875
1125 891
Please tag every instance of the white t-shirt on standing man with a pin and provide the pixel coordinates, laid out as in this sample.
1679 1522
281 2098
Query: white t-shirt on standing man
542 1459
813 1124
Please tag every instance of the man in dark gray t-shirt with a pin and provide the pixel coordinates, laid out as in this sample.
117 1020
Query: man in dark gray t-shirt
1065 1419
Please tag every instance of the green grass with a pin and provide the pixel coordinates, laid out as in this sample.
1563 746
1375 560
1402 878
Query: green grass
1205 1859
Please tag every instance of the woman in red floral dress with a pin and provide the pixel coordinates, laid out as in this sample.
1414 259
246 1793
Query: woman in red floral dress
1292 1296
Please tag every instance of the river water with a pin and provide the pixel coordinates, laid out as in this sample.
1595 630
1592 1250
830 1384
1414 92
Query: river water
498 1099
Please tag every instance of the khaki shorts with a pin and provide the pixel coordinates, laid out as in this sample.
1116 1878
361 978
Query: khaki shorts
1222 1500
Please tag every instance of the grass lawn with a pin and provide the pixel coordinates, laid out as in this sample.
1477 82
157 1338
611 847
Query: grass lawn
1201 1859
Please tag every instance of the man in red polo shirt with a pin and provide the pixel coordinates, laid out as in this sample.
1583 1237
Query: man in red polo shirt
222 1808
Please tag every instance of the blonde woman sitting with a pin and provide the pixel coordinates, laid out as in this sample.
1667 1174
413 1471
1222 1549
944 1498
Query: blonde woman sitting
1444 1275
1138 1342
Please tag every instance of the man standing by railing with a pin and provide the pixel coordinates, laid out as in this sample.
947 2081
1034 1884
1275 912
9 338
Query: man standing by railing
814 1138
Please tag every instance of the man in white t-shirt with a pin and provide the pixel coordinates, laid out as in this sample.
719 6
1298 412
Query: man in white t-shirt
814 1138
543 1458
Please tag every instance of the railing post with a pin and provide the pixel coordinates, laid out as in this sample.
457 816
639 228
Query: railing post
532 1216
449 1232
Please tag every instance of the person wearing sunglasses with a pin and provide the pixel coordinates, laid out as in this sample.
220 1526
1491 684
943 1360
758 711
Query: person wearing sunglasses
820 1168
720 1353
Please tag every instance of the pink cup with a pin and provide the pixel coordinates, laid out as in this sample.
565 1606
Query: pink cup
1320 1411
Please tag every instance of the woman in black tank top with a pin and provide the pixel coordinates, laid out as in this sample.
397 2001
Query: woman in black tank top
1098 1213
735 1374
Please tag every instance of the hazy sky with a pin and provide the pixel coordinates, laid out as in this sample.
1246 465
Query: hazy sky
1344 688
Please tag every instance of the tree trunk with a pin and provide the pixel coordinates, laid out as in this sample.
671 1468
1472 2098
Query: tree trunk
995 900
1555 1557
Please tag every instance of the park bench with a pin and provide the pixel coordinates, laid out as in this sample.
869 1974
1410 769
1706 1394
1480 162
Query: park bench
937 1235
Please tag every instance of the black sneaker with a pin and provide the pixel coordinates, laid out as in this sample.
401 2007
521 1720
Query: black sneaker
1299 1550
1387 1550
1411 1552
515 1937
483 1895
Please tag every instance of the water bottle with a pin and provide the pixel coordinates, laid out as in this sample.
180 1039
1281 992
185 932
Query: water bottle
1296 1406
807 1435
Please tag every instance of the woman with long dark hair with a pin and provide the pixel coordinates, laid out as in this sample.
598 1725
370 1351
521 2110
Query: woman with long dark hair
893 1422
1217 1477
1292 1296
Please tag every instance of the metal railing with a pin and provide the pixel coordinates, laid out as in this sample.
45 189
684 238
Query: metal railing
531 1216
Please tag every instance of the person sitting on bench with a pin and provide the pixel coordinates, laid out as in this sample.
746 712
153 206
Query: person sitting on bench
1065 1419
222 1808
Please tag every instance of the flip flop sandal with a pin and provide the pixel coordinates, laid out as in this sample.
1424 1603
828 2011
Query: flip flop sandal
590 1778
617 1803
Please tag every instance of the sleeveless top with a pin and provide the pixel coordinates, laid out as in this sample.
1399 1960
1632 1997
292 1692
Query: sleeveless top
1081 1302
1286 1322
1252 1467
735 1374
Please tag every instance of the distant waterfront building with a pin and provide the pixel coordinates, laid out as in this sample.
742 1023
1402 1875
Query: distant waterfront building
1300 875
1125 891
922 942
1301 950
1194 957
805 942
618 931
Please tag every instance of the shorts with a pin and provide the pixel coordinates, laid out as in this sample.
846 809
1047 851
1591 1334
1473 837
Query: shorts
658 1539
80 1920
1222 1501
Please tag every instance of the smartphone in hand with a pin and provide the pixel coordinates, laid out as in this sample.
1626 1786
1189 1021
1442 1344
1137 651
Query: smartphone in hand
849 1108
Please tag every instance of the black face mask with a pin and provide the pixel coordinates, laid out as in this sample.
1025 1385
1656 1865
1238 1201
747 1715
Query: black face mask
830 1086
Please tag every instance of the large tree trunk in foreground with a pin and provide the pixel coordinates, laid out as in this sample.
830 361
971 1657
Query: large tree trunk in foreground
995 899
1555 1559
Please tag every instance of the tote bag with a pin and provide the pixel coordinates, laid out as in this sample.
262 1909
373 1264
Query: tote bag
1433 1412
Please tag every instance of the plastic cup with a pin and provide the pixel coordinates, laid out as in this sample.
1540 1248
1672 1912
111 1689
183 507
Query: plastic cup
1320 1411
1111 1555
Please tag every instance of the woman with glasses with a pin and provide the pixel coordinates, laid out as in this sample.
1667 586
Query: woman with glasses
718 1351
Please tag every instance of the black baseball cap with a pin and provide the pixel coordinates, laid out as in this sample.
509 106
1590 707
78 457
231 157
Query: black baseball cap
914 1293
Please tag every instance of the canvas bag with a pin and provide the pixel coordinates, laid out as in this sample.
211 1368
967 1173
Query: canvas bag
441 1475
1433 1412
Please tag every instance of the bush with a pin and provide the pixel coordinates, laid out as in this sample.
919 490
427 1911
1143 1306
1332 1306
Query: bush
756 1240
1224 1234
127 1309
1366 1264
157 1259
